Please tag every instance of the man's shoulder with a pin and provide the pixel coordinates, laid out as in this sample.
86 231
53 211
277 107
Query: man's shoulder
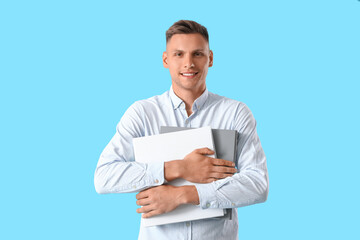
151 102
232 109
215 99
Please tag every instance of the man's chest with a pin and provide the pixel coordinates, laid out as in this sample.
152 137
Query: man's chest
216 117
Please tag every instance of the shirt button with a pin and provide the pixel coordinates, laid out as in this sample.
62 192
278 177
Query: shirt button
208 205
156 181
134 186
233 204
187 224
186 121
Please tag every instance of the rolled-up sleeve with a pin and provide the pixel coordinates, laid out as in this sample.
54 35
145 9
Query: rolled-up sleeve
117 171
251 184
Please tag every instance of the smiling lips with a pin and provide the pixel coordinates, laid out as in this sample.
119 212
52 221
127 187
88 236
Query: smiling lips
188 74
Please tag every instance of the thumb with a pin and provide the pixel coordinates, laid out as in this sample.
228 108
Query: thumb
204 151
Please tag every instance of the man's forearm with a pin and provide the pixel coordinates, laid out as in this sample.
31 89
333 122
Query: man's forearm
190 195
172 170
123 177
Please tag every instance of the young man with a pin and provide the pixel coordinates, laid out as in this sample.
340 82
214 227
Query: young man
187 104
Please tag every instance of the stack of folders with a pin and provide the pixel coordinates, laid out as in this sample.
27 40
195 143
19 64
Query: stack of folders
175 143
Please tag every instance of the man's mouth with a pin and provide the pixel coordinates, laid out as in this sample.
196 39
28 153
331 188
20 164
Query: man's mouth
189 74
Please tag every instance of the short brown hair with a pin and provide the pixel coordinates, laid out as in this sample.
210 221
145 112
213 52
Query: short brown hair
186 27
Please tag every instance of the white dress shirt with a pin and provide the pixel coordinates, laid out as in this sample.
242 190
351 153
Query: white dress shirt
117 171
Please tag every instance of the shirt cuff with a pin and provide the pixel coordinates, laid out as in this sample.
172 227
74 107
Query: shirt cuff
155 172
207 196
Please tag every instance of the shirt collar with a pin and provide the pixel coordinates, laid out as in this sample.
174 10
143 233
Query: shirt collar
199 102
176 101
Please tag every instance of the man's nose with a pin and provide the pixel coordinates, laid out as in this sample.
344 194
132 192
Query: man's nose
189 63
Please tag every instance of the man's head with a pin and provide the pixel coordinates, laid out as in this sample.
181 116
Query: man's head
186 27
187 56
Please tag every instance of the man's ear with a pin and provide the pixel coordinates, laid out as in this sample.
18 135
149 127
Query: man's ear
211 58
164 57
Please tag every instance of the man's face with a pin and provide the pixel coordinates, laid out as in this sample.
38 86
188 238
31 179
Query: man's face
188 58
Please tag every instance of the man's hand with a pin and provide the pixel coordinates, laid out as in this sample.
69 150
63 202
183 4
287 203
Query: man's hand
164 198
198 168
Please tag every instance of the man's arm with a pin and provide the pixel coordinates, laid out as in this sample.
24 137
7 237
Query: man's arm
195 167
250 185
247 187
117 171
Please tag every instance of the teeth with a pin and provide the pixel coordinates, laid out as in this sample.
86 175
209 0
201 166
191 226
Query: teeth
188 74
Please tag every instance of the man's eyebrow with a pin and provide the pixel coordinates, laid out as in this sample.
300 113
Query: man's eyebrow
196 50
199 50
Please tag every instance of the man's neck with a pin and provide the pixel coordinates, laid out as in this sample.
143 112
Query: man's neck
189 97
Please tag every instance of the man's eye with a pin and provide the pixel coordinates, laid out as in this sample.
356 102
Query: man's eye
178 54
198 54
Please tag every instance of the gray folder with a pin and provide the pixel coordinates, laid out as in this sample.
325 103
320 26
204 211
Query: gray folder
225 142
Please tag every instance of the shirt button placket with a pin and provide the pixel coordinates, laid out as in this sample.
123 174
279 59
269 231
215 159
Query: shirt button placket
188 226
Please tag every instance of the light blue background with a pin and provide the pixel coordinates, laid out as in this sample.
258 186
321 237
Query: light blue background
69 70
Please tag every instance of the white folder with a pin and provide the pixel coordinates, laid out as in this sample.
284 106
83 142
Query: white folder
175 146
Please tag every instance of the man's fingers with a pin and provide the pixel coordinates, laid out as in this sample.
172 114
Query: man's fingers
144 209
204 151
151 213
222 162
143 202
141 195
219 169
